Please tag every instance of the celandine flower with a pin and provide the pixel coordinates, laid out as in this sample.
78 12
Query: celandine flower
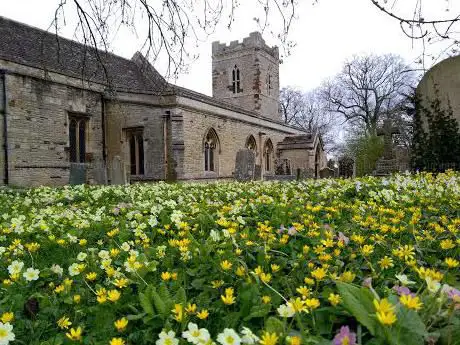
345 337
6 333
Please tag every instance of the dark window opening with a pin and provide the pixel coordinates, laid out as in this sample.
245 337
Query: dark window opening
236 81
77 138
136 152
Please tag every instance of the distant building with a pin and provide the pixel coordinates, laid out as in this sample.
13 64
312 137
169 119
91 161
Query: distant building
64 105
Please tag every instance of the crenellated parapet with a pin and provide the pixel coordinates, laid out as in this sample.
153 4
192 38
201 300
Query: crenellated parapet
253 41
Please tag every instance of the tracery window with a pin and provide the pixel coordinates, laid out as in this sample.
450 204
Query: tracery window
135 138
268 155
211 146
77 138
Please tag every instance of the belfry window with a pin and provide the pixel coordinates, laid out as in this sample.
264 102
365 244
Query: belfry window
236 81
269 84
77 138
211 144
136 151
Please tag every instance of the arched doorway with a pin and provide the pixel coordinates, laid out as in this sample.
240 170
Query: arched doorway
268 156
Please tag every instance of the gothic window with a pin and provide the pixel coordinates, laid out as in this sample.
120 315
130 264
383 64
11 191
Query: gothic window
268 155
211 145
251 143
135 139
236 81
77 138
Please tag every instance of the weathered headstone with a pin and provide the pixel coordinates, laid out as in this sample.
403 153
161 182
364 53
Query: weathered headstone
326 173
282 166
77 173
257 172
387 164
245 165
117 171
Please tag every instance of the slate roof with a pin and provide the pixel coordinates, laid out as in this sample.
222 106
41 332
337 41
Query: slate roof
33 47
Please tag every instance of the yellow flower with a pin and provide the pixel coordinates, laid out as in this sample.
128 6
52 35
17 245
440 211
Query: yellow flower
386 318
411 302
83 242
7 317
76 299
117 341
101 299
309 281
59 288
258 270
347 277
266 299
228 299
334 299
121 324
121 283
367 249
383 306
74 334
165 276
240 271
312 303
298 305
275 268
178 312
191 308
91 276
304 291
319 273
294 340
114 252
451 263
386 262
174 276
113 295
217 283
447 244
226 265
265 277
64 322
268 339
203 314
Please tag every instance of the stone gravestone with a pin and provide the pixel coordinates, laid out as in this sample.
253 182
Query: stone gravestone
117 171
257 172
283 166
326 173
77 173
245 165
387 164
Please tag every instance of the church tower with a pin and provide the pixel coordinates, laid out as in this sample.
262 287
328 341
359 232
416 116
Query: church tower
247 74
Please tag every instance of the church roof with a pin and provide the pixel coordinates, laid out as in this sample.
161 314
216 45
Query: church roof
37 48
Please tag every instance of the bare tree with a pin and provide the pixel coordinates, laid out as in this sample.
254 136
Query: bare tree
168 27
369 89
307 111
418 22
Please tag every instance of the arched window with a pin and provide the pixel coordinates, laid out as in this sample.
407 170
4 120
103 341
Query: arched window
236 81
211 150
268 155
251 143
77 138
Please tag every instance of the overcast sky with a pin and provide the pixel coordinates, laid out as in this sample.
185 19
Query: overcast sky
326 35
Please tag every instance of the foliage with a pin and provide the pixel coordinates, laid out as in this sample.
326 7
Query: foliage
366 150
369 260
436 139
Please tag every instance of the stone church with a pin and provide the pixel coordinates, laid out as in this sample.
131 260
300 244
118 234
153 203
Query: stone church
64 105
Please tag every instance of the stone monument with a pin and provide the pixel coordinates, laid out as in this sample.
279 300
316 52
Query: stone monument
77 173
245 165
387 164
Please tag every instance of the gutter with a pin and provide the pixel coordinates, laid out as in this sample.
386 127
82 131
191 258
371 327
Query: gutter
4 104
103 125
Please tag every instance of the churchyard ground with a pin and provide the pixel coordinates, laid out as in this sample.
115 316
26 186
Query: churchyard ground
368 261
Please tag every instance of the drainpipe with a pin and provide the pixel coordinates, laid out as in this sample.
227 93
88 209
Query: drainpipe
166 118
5 124
104 149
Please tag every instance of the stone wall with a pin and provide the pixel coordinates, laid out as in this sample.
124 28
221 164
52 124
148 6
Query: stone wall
232 134
38 137
255 61
124 115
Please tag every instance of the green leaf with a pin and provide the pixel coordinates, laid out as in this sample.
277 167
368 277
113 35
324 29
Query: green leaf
180 297
274 325
145 303
159 303
136 317
358 302
258 311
